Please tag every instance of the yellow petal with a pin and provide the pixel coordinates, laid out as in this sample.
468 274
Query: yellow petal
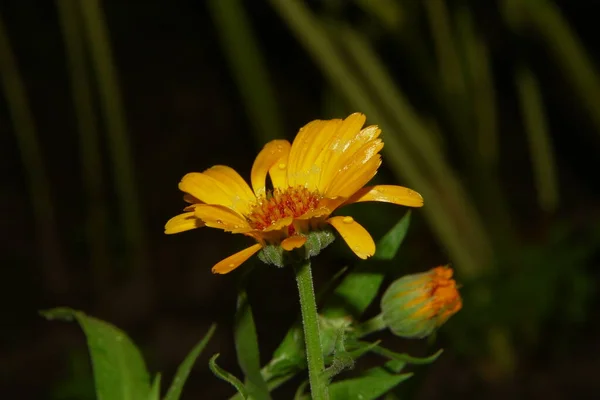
232 180
293 242
232 262
357 237
389 194
358 171
182 222
279 224
317 212
303 166
278 173
343 145
270 155
221 217
211 190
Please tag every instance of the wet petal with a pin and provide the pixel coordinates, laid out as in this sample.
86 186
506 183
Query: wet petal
278 173
293 242
357 172
279 224
232 262
269 156
304 167
211 190
182 222
221 217
389 194
347 140
317 212
233 180
358 238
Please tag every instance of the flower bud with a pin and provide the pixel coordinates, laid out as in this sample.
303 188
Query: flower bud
416 305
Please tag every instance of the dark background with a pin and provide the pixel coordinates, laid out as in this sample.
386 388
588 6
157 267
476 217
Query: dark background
184 111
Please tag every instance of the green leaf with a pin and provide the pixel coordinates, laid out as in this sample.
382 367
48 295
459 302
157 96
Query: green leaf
226 376
392 367
119 369
246 346
186 366
155 390
358 289
366 387
405 358
388 245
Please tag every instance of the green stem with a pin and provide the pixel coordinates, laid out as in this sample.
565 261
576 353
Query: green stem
375 324
312 339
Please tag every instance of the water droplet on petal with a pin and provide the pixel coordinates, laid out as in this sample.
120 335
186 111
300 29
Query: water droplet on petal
219 222
356 249
281 166
231 265
348 220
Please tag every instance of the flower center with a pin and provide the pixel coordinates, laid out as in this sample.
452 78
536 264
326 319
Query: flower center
276 205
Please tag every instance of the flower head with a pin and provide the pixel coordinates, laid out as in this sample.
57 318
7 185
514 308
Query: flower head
327 166
415 305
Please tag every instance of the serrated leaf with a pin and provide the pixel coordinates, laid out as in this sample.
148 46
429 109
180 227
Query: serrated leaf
227 377
367 387
119 369
186 366
358 289
246 346
388 245
155 389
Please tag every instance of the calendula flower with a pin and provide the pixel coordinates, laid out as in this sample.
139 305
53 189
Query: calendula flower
327 166
414 306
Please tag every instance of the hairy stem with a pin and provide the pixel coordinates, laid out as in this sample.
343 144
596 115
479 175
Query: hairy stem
312 339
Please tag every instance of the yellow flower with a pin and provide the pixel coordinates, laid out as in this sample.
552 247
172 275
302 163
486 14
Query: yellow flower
326 167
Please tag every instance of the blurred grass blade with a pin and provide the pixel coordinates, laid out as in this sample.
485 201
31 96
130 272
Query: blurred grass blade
89 141
480 84
248 66
246 346
540 146
388 12
49 254
119 369
470 247
227 377
465 238
186 366
450 69
96 33
155 389
545 17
